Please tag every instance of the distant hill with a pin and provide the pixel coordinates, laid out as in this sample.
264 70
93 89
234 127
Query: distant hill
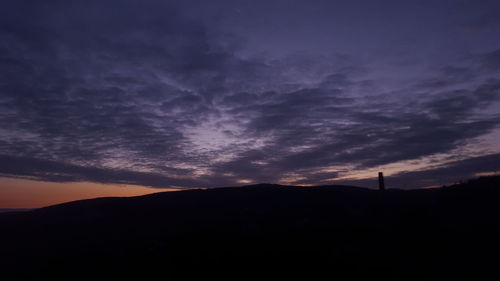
261 231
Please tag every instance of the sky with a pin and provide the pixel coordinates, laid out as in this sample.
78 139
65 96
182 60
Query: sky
133 97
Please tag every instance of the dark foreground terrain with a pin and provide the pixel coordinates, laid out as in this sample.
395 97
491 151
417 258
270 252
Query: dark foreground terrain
262 232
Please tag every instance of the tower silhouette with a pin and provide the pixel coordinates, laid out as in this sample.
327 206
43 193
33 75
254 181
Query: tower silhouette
381 184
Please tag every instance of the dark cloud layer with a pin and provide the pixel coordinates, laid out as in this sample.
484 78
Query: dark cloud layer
139 92
44 170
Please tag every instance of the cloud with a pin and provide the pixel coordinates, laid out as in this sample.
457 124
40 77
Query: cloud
45 170
337 131
137 92
449 173
450 76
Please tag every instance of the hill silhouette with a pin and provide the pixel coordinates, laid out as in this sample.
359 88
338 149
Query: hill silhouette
261 231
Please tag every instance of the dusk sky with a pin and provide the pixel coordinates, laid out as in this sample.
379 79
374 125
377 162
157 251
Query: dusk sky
123 97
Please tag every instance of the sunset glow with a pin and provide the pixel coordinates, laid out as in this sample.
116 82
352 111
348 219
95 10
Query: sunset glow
19 193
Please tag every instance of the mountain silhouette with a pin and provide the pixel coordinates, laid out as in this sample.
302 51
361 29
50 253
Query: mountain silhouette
261 231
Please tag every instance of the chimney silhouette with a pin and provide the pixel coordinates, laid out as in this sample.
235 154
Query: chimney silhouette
381 185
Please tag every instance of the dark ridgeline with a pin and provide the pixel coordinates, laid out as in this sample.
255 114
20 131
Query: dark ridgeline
381 184
261 232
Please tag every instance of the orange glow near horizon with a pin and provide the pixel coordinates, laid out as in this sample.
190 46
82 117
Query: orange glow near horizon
21 193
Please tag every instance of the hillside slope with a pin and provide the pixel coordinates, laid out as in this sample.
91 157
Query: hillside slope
343 233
